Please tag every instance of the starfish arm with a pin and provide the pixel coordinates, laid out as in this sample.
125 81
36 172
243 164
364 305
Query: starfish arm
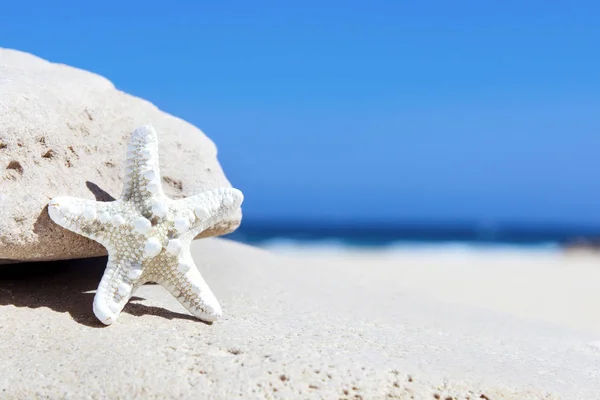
142 173
147 235
188 286
120 280
207 209
82 216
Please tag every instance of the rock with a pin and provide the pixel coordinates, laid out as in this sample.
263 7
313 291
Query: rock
63 131
582 246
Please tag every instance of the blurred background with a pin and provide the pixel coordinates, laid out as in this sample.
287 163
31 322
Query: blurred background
366 123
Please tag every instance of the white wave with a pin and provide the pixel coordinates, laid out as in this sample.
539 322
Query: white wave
287 245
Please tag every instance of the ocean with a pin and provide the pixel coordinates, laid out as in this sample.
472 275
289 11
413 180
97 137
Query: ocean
402 236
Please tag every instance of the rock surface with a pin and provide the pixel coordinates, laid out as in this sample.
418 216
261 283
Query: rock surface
291 330
63 131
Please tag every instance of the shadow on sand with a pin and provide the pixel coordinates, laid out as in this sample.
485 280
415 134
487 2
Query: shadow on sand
65 286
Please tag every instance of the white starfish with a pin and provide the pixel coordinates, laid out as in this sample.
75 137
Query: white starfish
147 234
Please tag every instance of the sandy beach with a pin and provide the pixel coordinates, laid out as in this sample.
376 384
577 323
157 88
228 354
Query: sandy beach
337 201
313 324
549 286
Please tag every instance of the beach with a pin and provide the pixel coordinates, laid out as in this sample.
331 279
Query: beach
346 201
316 324
544 285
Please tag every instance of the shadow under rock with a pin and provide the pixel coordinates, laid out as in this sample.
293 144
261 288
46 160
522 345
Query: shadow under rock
100 194
66 286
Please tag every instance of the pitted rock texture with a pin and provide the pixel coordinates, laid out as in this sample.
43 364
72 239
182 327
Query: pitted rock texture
64 131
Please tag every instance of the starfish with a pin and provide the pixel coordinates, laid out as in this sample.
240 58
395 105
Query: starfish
147 234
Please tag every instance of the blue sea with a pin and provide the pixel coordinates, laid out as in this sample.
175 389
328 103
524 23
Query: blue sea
465 236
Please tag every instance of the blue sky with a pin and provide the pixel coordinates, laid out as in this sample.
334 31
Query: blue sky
371 110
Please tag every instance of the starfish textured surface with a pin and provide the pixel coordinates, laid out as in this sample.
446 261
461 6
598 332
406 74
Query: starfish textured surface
147 234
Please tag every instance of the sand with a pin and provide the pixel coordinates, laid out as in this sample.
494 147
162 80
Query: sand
419 325
543 285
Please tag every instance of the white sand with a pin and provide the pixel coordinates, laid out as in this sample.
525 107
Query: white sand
314 326
539 285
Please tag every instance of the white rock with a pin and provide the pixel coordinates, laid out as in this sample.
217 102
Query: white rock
228 199
61 127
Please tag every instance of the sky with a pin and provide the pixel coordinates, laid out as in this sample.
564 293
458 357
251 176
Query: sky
361 111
